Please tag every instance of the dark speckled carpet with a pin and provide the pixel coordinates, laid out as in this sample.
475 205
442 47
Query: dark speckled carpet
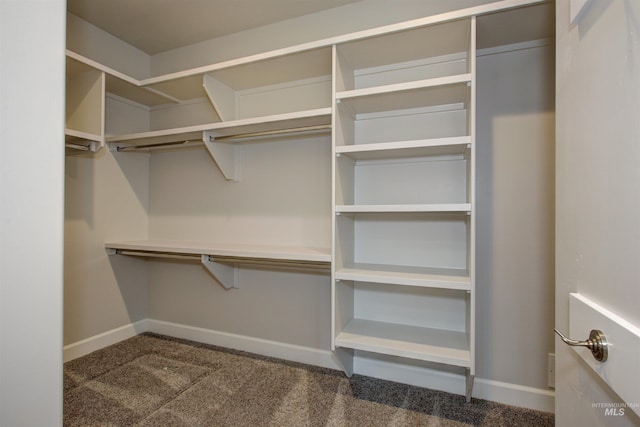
151 380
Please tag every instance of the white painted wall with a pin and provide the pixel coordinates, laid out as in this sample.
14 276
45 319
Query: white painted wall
106 198
515 222
31 212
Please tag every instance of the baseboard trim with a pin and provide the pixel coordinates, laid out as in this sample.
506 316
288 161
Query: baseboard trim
279 350
105 339
496 391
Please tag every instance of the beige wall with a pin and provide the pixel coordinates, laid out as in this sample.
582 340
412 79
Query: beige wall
515 222
106 199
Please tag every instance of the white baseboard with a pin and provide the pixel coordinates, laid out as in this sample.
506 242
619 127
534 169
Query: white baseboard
496 391
279 350
105 339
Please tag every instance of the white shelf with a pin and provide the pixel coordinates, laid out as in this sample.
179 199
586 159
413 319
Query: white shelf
427 208
403 149
402 96
72 135
254 252
317 117
403 87
413 342
441 278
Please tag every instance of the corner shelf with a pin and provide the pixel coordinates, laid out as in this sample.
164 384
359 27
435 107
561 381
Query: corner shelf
222 259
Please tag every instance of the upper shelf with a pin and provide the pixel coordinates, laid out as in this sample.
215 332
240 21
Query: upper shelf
499 23
295 66
302 119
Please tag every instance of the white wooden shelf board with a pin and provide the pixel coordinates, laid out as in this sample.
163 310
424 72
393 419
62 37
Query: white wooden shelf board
432 345
412 97
428 277
140 95
116 82
436 207
402 149
72 135
403 87
321 116
284 253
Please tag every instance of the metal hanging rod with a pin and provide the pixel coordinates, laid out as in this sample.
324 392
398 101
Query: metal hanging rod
229 137
159 144
312 265
77 146
273 132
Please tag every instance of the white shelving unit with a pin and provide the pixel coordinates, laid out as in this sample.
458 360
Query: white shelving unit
399 101
404 196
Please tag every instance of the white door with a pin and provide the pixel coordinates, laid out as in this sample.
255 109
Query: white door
598 210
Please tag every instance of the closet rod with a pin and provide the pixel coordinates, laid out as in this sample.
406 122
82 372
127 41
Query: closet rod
158 254
77 146
314 265
229 137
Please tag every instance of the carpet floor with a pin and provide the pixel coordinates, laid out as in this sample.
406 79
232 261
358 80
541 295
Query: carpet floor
153 380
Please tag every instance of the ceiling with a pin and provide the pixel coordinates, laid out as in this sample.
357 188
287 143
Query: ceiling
155 26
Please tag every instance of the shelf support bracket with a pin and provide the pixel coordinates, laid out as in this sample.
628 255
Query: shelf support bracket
226 275
224 155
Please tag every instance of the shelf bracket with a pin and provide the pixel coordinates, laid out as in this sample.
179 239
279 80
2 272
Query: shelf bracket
221 96
224 155
226 275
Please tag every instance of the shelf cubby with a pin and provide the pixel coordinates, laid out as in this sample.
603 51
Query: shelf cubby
403 239
85 106
413 342
444 278
282 84
429 52
422 323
